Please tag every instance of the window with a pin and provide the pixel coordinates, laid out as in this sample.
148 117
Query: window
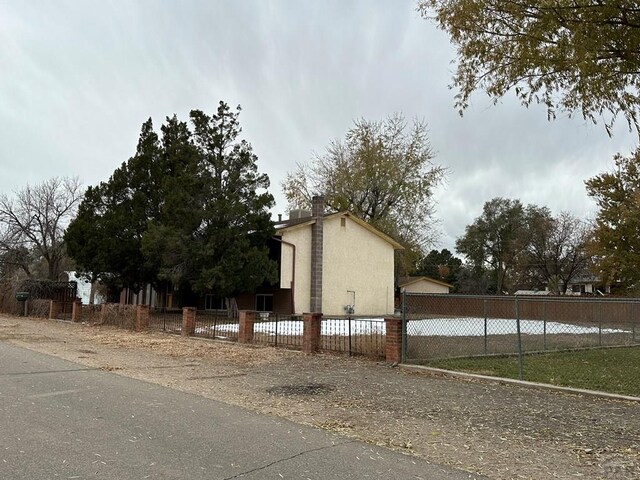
213 302
264 303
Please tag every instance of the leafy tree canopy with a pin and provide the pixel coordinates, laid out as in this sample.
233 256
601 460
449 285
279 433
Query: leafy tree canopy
512 246
616 243
555 250
573 56
441 265
494 240
382 172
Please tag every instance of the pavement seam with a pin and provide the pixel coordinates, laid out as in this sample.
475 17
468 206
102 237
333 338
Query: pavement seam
14 374
257 469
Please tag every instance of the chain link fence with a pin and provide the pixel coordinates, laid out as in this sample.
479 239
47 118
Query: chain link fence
459 326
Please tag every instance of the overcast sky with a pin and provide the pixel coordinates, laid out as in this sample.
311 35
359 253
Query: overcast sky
78 78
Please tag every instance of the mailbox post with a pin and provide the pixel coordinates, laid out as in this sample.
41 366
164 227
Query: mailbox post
23 297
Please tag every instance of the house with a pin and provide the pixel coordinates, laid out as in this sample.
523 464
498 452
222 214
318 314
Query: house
533 292
423 285
336 264
587 284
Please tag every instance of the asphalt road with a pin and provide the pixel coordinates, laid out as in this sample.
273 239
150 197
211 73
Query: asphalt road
61 420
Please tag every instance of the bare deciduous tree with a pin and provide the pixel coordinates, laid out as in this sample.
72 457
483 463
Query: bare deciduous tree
34 220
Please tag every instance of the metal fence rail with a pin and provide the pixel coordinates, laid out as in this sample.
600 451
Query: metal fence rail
220 325
356 336
278 330
165 319
448 326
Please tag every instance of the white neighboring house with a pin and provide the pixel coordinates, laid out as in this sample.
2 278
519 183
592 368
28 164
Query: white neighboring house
587 284
84 289
533 292
423 285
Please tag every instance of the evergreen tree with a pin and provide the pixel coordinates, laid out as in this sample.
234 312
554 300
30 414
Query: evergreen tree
190 208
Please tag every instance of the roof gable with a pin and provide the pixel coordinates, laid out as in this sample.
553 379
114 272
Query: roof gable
300 223
405 281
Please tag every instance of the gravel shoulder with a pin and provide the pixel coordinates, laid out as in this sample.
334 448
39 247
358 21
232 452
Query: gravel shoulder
501 431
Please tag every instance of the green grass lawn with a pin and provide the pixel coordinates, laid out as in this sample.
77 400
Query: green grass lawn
614 370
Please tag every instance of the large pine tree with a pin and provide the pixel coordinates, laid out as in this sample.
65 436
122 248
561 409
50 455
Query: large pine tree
190 208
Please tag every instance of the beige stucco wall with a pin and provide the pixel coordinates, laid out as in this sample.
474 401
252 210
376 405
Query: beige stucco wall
356 260
425 286
301 238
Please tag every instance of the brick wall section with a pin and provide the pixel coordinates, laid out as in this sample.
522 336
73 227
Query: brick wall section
312 323
76 311
393 340
54 309
245 330
188 321
317 212
142 317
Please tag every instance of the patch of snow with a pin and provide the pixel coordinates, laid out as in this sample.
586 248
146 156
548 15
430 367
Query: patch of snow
474 327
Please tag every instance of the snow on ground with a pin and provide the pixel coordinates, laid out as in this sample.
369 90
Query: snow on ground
474 327
445 327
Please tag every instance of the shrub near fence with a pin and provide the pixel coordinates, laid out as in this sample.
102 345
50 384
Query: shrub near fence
123 316
446 326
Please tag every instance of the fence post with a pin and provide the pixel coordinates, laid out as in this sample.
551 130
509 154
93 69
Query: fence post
312 323
633 323
393 340
520 356
142 317
544 324
188 321
349 320
245 330
76 311
54 309
103 312
276 315
485 326
403 348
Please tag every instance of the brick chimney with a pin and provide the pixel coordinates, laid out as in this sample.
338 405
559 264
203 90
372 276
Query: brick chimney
317 213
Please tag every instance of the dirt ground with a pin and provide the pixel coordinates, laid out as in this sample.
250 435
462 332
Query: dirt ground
501 431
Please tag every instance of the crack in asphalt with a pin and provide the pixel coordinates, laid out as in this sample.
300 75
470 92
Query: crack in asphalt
14 374
257 469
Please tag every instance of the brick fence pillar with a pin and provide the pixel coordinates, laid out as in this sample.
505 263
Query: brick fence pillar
311 332
54 309
142 317
393 340
188 321
76 311
245 332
